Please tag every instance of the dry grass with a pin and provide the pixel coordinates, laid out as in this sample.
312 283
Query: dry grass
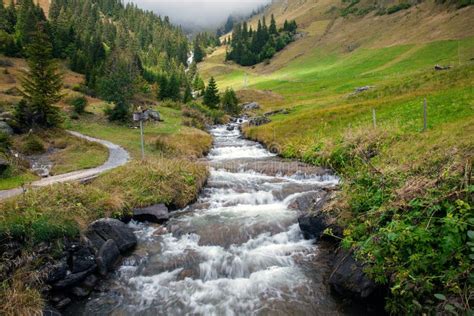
188 142
19 295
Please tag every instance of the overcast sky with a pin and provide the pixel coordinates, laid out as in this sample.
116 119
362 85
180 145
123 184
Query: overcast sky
203 13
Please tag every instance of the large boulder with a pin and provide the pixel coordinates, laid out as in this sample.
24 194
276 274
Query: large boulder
156 214
107 256
348 278
259 120
311 219
104 229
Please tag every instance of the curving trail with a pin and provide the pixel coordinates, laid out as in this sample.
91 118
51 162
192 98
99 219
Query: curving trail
117 157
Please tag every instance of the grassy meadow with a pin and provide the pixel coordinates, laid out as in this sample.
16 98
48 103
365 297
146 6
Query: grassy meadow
406 197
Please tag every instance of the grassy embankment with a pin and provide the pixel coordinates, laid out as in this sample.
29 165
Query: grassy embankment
67 153
406 200
49 215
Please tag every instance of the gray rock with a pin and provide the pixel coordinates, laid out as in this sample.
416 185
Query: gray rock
230 128
311 219
63 303
152 115
348 278
56 272
51 311
156 214
90 282
251 106
104 229
73 279
107 256
362 89
282 111
439 67
82 260
5 128
259 120
80 291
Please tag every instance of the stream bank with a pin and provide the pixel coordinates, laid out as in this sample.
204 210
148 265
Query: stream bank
238 250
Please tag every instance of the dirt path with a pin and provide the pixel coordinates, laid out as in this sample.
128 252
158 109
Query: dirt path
117 157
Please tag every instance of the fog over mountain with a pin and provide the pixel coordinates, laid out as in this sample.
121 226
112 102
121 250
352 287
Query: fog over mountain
200 13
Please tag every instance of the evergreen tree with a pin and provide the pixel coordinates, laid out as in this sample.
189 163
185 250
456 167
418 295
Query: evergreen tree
163 88
188 94
198 51
174 88
249 47
28 16
230 102
41 85
119 84
273 28
211 95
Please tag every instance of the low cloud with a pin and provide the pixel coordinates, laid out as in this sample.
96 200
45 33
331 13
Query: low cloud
200 13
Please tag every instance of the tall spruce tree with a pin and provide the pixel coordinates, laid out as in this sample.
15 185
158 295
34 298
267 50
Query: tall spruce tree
119 83
41 84
211 95
198 51
273 28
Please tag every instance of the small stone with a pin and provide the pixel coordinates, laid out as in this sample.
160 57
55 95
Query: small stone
90 281
73 279
251 106
63 303
80 291
259 120
51 311
56 272
82 260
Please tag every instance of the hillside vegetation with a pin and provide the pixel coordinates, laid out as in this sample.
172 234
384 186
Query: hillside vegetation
406 199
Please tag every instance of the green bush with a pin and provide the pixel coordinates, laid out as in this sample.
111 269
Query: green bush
79 104
32 144
5 142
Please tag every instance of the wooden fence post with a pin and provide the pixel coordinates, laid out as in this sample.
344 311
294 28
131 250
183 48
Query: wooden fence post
425 115
374 118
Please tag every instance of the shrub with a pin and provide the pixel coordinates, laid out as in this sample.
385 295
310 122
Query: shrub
32 144
5 142
79 104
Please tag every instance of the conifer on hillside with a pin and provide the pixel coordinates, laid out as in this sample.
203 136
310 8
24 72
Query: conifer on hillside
211 95
41 84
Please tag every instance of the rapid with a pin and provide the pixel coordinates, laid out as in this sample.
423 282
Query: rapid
237 251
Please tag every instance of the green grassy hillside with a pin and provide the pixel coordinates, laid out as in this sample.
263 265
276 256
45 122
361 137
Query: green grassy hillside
406 199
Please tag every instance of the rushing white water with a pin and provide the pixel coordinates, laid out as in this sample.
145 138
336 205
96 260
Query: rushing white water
239 251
